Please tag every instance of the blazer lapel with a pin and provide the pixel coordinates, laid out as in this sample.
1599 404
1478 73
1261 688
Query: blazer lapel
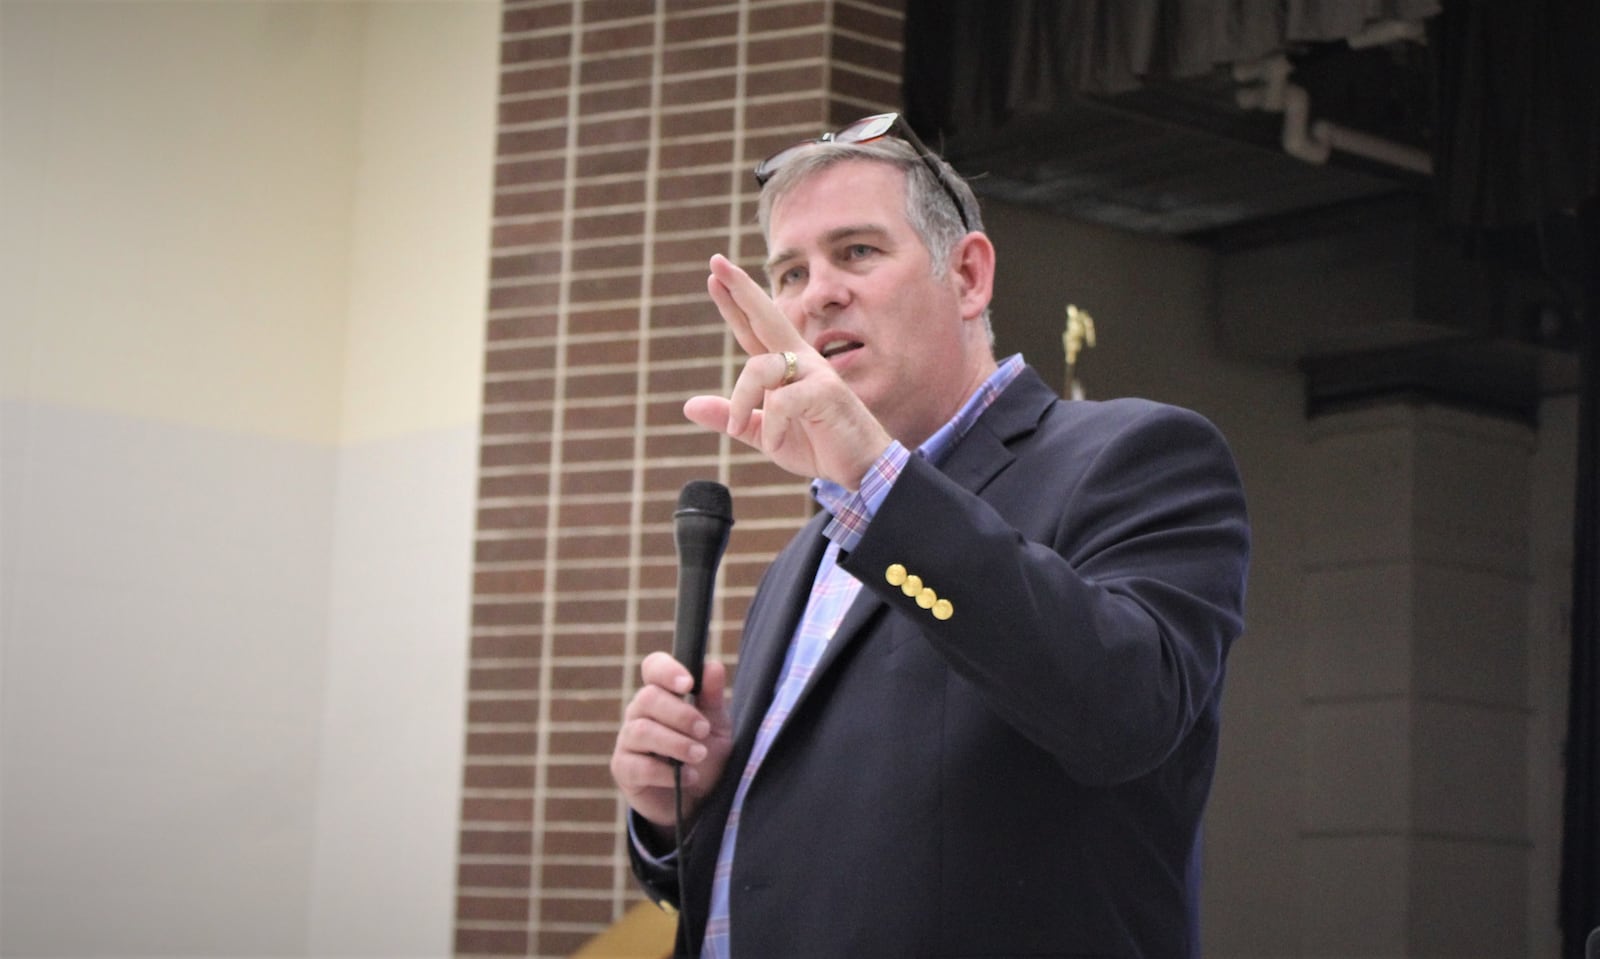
863 611
986 449
792 574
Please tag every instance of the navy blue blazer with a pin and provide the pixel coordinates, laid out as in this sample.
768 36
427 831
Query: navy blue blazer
1017 764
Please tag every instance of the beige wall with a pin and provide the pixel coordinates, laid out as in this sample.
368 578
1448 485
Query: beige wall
242 286
178 187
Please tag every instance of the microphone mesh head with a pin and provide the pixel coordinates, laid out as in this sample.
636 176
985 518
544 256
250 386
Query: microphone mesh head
705 496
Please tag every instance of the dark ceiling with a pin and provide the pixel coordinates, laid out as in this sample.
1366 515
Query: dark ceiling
1184 158
1491 313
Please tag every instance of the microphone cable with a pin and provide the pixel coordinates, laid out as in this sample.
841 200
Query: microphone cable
685 932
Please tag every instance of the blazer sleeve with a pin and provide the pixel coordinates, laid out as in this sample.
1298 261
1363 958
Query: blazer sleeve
1101 633
656 870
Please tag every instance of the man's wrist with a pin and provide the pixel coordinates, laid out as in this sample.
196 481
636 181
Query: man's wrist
852 510
658 843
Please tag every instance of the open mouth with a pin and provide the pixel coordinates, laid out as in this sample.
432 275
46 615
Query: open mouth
838 347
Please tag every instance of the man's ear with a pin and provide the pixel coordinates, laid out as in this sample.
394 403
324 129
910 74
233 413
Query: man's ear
973 269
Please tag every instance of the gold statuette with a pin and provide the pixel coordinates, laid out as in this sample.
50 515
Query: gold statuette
1078 334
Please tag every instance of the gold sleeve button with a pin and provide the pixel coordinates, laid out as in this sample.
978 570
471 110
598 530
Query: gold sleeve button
912 586
926 598
942 610
895 574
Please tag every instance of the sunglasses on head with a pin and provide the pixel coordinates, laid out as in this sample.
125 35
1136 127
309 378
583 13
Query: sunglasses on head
866 130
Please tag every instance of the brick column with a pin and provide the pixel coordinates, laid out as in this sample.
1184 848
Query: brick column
628 129
1415 837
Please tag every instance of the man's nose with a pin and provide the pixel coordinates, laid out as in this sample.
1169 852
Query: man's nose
827 289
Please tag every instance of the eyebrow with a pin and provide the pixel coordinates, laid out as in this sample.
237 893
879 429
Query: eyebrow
830 238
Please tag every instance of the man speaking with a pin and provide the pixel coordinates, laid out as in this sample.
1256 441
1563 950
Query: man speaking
978 695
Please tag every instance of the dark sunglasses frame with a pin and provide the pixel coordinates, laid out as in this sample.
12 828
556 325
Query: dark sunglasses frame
865 130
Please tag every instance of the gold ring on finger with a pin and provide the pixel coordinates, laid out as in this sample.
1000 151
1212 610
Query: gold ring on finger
791 367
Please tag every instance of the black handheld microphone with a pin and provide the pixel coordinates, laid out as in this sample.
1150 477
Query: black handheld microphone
702 521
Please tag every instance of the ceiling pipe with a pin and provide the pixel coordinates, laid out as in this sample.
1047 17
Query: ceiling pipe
1381 32
1297 139
1269 89
1366 145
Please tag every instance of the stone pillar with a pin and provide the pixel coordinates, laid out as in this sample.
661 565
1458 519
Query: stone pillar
1414 830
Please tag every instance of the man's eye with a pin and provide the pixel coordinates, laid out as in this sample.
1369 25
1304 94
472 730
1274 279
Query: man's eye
792 275
856 251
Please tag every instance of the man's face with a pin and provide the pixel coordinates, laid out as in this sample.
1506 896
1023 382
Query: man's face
851 274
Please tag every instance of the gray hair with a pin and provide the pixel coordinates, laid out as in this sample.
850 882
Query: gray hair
936 222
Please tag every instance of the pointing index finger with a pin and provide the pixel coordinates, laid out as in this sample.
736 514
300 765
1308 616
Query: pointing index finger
765 328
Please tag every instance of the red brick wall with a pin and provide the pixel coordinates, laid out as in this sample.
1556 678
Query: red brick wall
627 132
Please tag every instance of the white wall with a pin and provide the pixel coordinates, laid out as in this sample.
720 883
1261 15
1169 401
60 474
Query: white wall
242 250
394 718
